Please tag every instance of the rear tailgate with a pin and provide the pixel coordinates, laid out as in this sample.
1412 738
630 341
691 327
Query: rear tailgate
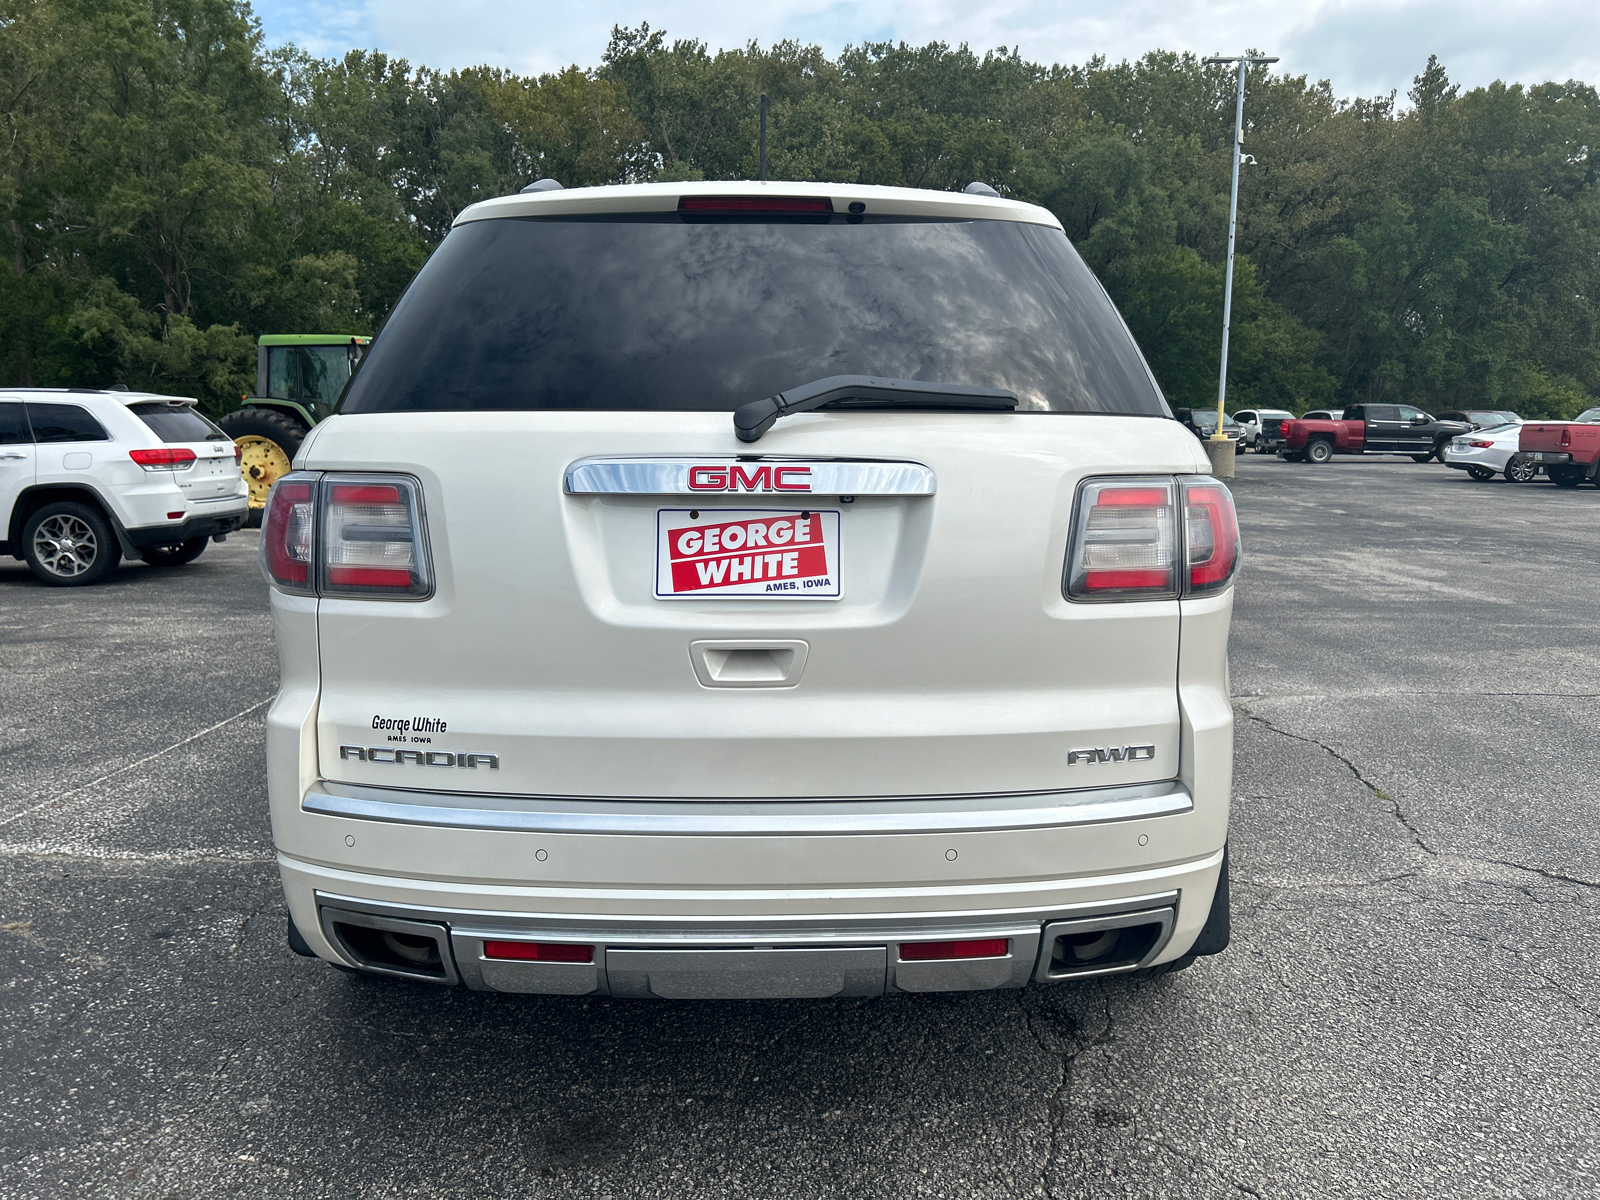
949 662
1580 440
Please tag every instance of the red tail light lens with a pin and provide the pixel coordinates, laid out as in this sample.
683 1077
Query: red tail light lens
165 458
1125 542
372 537
1481 445
345 535
1566 438
783 206
978 948
238 452
287 534
1211 536
538 951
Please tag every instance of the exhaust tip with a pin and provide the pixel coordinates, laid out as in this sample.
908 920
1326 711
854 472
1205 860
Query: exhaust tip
390 945
1103 945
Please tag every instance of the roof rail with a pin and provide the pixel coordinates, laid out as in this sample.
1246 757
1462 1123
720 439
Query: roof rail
974 189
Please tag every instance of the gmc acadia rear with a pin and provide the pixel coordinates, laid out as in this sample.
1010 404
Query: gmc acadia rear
752 590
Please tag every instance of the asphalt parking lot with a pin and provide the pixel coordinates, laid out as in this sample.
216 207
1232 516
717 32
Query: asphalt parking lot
1409 1007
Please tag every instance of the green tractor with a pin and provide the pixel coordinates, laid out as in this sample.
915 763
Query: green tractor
298 380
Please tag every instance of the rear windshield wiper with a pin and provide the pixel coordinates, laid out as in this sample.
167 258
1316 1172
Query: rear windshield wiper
752 420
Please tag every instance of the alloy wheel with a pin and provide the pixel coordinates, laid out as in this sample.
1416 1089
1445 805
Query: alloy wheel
65 545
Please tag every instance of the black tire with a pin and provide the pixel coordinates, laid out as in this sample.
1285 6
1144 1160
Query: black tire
1521 470
1319 451
1238 447
68 544
268 425
1481 474
1421 457
176 554
1567 477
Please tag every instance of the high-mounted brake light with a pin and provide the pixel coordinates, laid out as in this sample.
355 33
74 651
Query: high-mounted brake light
976 948
1211 536
358 536
539 951
1124 541
791 206
164 458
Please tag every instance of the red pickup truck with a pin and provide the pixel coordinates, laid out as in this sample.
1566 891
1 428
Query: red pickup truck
1568 451
1369 429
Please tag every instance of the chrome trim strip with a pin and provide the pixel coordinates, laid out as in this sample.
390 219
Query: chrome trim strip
694 929
735 818
822 477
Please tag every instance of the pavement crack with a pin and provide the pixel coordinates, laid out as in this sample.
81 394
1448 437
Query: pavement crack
1395 809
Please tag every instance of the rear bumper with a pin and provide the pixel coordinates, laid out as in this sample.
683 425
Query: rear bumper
756 954
756 900
208 525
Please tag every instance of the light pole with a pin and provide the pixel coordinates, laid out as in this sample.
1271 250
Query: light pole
1222 464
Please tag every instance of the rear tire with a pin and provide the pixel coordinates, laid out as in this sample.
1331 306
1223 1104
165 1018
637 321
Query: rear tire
1319 451
1567 477
176 554
1481 474
1521 470
70 545
268 441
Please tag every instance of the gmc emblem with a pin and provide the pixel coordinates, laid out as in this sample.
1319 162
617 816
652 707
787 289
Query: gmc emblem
1100 754
735 478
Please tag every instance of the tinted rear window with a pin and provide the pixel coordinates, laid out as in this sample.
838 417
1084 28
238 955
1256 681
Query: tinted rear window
64 423
673 313
180 424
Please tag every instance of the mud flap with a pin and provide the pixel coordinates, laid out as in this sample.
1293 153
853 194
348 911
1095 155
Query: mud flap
1216 933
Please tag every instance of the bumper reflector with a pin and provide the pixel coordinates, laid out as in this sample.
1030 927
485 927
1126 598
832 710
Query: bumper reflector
981 948
539 951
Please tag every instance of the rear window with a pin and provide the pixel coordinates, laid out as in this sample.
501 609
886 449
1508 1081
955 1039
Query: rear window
176 423
685 314
64 423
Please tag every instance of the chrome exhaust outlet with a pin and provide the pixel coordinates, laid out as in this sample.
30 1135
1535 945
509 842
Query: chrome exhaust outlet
1103 945
391 945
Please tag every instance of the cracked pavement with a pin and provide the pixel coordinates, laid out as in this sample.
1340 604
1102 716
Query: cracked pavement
1409 1007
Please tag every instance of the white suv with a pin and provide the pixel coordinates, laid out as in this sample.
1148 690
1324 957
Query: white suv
88 477
752 590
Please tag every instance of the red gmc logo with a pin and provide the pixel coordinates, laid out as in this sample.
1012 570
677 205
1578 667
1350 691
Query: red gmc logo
736 478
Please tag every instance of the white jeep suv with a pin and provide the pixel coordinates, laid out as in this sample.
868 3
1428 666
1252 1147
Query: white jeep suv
752 590
90 476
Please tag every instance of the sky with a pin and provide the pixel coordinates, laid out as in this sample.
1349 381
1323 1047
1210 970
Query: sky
1365 47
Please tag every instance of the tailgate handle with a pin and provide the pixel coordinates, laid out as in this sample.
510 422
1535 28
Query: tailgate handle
748 663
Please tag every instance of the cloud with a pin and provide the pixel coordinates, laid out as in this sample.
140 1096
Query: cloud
1363 46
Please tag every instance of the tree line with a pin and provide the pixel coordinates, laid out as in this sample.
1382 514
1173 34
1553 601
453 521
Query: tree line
172 187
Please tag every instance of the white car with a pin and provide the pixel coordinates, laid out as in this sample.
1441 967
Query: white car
1254 421
752 590
89 477
1485 453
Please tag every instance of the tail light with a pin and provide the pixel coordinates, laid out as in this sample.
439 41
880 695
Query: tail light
346 535
1566 438
166 458
238 452
1481 445
1127 543
1211 536
940 951
741 206
565 952
287 529
372 537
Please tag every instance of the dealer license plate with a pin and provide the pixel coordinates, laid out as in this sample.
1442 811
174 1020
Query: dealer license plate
747 554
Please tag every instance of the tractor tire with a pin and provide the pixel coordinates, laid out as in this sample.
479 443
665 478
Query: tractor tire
1319 451
268 441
